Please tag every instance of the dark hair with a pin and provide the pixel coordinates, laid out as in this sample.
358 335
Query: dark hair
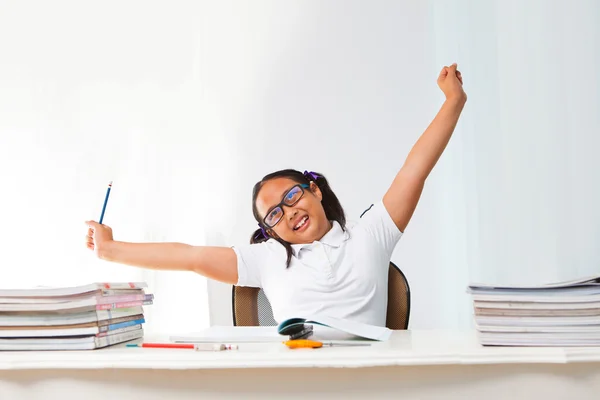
331 204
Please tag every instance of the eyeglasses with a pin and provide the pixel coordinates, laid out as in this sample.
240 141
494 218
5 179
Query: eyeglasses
289 199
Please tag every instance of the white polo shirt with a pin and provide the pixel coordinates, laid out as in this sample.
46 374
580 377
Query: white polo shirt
344 275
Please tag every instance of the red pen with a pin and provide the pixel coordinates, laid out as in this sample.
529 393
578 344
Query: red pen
163 345
194 346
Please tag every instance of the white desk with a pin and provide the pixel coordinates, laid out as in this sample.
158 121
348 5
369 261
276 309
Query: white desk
417 364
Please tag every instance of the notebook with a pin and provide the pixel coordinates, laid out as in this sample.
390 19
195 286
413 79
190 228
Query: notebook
342 328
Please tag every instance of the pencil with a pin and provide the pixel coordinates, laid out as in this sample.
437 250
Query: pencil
105 201
195 346
163 345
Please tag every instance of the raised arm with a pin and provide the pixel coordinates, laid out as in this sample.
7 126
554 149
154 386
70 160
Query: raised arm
403 195
219 263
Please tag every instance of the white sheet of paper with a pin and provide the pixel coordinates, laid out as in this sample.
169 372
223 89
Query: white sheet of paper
234 334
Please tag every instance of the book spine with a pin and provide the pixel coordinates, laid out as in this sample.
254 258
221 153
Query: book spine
120 330
123 305
122 285
111 327
121 299
118 313
119 292
109 340
119 320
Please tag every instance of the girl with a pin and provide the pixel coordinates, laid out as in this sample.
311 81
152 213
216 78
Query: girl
304 256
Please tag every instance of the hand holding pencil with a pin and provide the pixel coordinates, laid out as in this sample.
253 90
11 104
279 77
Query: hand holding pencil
99 234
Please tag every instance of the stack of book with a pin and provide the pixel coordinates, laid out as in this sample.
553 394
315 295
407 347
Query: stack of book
72 318
559 314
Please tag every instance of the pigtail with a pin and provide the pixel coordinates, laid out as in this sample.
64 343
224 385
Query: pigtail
259 236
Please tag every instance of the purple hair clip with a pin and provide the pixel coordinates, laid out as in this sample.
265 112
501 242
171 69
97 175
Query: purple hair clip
311 176
263 231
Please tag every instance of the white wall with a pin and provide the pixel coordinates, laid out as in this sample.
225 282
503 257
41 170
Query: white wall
187 104
92 92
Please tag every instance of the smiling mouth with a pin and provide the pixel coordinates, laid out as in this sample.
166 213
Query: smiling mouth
301 223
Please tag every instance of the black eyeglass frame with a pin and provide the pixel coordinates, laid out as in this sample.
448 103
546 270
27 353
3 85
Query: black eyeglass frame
302 186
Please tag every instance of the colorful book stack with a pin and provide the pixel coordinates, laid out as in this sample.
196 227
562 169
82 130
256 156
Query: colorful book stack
72 318
559 314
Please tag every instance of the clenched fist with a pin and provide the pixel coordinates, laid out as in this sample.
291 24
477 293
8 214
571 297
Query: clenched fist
451 83
98 237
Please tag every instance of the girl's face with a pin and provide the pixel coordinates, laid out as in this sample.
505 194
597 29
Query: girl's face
303 222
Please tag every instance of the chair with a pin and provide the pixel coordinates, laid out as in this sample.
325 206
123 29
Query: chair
252 308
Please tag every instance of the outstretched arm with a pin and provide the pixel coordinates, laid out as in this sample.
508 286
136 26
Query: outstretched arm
219 263
403 195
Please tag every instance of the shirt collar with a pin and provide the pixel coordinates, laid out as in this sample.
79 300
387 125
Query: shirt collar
334 238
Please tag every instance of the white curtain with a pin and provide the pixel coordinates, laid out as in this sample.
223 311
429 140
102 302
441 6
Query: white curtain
518 188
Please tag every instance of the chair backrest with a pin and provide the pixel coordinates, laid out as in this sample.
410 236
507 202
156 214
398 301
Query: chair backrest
251 307
398 307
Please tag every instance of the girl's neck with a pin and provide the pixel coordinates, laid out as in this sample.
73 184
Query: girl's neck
329 228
